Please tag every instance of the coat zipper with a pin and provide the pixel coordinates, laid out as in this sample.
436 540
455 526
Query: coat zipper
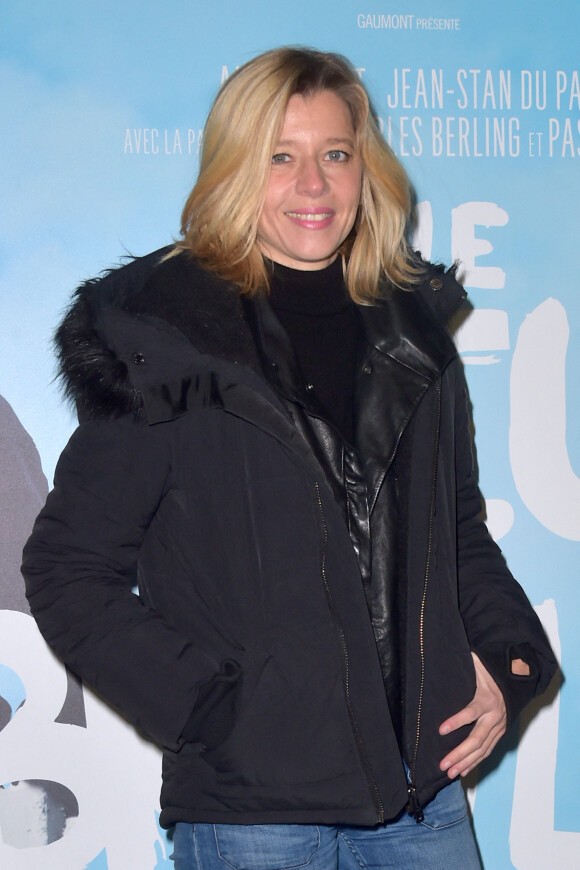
346 665
414 807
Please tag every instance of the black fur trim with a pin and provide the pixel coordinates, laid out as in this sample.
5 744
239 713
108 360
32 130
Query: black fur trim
91 376
176 291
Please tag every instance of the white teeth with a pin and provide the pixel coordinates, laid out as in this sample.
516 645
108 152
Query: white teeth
309 217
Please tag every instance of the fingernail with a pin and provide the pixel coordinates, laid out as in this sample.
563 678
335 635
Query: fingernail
444 729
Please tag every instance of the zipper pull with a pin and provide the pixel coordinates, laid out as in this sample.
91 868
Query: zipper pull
414 807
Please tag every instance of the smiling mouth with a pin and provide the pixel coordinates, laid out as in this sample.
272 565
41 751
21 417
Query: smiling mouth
310 216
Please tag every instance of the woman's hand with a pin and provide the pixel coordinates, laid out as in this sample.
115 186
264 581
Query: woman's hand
488 711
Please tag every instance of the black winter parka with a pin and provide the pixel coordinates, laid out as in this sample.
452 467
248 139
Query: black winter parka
306 608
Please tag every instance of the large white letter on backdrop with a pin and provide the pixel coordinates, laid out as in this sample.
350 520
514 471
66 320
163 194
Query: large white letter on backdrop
539 457
105 765
466 246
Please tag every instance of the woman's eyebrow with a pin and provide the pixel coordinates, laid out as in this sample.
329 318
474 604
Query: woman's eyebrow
333 140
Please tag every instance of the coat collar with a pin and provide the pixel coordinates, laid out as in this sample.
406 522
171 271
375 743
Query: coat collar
406 349
185 340
405 325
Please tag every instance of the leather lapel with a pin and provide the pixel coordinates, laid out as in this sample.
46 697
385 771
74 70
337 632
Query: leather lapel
406 351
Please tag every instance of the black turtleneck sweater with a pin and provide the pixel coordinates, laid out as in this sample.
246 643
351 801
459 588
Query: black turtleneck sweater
324 328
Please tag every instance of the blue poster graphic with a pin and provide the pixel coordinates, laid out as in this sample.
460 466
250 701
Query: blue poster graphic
103 106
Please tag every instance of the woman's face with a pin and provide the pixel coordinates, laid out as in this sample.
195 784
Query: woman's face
315 184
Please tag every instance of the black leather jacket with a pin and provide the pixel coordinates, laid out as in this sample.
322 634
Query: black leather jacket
202 462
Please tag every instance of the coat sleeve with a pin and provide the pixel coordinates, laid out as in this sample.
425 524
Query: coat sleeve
80 570
500 622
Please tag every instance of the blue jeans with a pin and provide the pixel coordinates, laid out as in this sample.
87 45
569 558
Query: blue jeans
443 841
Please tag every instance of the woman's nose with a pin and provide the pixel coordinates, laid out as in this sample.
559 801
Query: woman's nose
311 179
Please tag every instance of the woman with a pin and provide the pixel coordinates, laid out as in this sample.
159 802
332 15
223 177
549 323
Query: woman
274 439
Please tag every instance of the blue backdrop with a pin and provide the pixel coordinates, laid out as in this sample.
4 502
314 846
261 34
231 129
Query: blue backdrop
102 107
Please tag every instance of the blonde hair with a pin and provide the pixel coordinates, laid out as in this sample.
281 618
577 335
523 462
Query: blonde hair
221 216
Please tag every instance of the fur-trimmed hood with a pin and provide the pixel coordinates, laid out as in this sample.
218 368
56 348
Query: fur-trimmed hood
167 300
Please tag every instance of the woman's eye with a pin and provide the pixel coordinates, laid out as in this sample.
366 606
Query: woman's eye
337 156
280 158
